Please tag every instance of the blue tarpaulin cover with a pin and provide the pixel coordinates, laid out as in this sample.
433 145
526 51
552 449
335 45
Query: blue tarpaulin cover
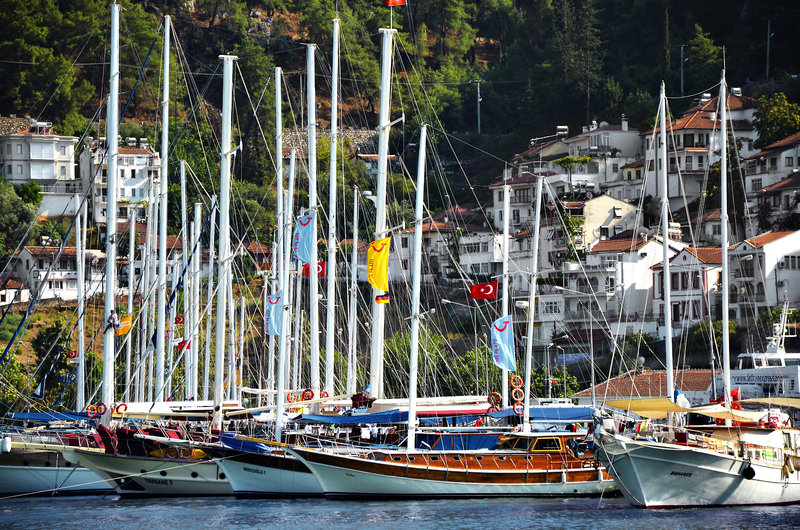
250 446
551 414
49 416
389 416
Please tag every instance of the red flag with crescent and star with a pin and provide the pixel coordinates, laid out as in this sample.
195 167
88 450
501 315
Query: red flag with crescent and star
484 291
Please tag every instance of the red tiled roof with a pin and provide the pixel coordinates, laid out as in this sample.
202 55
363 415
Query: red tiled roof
254 247
699 116
785 184
619 245
173 242
524 178
136 151
11 284
363 246
705 254
51 252
637 163
433 226
647 383
790 141
768 237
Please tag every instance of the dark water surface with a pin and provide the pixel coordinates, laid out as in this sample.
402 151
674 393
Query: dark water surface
112 512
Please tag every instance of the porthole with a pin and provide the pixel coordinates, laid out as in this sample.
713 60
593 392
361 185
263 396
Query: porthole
456 458
222 476
396 458
479 458
410 458
194 474
434 458
163 473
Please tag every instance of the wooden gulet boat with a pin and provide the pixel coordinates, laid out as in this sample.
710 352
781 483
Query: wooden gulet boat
536 464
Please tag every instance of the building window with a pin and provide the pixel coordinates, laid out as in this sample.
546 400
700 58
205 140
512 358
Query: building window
404 242
773 162
9 170
689 163
603 232
675 280
515 216
756 185
789 162
19 149
405 264
700 162
63 150
615 168
551 308
617 211
19 169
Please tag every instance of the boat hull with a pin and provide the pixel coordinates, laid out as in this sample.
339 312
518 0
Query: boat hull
46 473
135 476
658 475
268 475
346 476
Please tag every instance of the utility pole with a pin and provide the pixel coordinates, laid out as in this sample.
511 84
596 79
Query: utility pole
682 61
769 38
478 82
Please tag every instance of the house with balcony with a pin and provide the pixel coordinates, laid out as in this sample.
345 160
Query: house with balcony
777 203
694 289
692 141
32 264
37 154
774 163
764 270
438 254
139 170
538 158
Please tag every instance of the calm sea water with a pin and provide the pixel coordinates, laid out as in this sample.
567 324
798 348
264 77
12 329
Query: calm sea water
112 512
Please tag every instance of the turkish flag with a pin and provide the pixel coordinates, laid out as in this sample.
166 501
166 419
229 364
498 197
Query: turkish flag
393 3
73 354
320 269
179 319
484 291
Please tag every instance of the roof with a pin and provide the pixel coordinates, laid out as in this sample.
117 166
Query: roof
69 252
524 178
374 157
620 245
699 116
705 254
766 238
363 246
535 150
433 226
648 383
254 247
785 184
790 141
11 284
136 151
173 242
632 165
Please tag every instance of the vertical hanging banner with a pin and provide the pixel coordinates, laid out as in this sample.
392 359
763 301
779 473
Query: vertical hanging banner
303 238
503 343
272 315
378 264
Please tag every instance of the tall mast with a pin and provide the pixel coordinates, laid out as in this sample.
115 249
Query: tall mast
376 345
187 282
352 371
131 283
330 297
283 339
526 417
313 279
281 260
667 289
162 226
198 219
506 230
416 272
209 295
81 263
723 196
224 234
112 158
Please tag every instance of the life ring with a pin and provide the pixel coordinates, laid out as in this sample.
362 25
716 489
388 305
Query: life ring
291 397
516 381
494 399
122 407
519 408
517 394
324 394
307 395
91 410
102 408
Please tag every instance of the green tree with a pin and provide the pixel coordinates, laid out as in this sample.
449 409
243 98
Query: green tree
16 216
775 119
50 346
704 61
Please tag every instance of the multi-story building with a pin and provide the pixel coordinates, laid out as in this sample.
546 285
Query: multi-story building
764 270
776 162
694 288
139 169
692 145
36 154
32 264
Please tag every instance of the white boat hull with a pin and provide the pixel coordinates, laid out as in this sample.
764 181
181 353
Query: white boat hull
349 481
254 475
658 475
49 480
136 476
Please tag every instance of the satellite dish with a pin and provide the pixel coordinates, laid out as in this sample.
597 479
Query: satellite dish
640 362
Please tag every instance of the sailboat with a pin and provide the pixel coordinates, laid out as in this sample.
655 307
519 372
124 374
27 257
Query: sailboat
741 463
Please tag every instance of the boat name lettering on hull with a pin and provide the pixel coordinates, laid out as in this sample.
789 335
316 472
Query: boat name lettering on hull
158 481
681 474
254 470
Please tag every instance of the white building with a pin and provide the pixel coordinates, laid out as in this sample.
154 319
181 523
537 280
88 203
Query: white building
692 141
32 264
694 288
775 163
38 155
139 168
764 270
11 291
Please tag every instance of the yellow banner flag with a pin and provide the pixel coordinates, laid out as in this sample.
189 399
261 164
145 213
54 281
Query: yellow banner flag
378 264
124 325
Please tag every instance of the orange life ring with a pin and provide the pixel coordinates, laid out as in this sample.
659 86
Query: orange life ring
91 410
324 394
122 407
308 394
291 397
517 394
519 408
494 399
516 381
102 406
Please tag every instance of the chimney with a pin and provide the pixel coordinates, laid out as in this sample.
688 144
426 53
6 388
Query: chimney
624 123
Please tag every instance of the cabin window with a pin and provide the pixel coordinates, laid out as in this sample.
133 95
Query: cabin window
456 458
396 458
547 444
526 457
479 458
434 459
410 458
503 458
